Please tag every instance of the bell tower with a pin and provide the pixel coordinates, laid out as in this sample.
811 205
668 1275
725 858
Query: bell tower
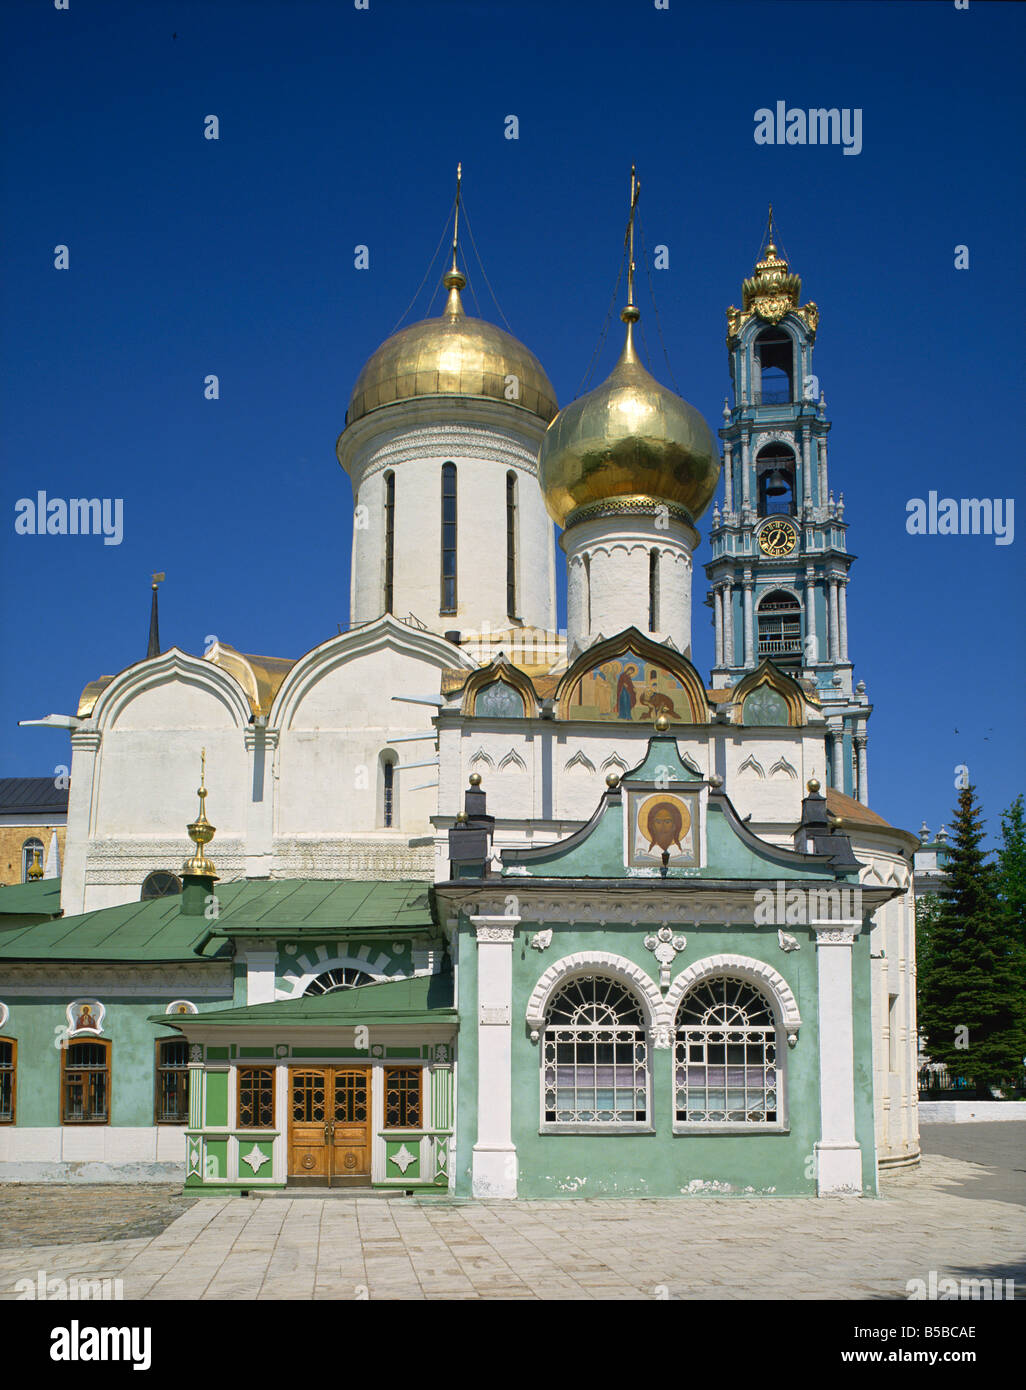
780 562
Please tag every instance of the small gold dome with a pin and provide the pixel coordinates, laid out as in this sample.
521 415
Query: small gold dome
630 439
452 355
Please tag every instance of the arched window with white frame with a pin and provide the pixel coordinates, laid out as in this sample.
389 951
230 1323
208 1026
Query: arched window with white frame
725 1056
595 1057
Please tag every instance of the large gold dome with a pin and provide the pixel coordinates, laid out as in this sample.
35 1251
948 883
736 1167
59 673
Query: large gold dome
630 439
452 356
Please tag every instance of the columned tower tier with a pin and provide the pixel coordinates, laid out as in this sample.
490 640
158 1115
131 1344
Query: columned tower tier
780 562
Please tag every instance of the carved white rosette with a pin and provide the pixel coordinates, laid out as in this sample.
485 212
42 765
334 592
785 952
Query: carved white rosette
665 946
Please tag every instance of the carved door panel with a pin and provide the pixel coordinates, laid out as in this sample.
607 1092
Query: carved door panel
351 1125
309 1124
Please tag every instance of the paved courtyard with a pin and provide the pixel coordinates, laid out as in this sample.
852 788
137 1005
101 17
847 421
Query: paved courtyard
960 1216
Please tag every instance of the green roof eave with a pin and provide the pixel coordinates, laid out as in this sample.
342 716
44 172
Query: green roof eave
157 930
36 901
418 999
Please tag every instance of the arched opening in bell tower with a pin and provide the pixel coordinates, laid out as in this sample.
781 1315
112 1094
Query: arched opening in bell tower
773 353
780 628
775 474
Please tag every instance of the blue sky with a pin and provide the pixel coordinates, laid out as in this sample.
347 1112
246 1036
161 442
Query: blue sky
341 127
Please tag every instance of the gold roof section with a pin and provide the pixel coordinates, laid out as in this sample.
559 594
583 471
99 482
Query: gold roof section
452 355
771 292
631 444
259 676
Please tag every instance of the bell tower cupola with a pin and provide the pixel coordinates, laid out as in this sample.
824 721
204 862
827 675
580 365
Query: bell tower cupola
780 561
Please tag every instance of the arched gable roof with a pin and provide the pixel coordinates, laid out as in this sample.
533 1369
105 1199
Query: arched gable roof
631 640
172 665
385 632
499 670
770 675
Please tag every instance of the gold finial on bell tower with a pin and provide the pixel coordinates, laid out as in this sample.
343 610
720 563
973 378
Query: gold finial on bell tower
201 832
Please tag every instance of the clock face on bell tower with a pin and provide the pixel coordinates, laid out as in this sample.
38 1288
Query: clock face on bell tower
778 538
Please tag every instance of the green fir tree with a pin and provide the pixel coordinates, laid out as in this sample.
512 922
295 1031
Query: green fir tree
1012 869
971 1000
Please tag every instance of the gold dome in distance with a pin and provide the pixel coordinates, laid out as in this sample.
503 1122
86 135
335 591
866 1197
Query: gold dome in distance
630 440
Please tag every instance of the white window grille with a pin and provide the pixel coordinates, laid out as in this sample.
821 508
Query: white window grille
595 1057
342 977
725 1056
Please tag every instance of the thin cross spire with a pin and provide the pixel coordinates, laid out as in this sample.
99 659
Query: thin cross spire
635 190
456 221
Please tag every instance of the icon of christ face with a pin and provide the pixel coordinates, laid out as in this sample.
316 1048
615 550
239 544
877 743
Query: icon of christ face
665 825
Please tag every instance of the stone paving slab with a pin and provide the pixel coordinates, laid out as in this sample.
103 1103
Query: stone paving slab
936 1217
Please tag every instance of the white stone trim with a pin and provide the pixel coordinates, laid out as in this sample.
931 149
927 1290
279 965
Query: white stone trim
757 972
321 960
604 963
161 670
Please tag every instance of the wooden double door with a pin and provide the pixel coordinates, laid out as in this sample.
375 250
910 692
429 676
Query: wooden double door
329 1126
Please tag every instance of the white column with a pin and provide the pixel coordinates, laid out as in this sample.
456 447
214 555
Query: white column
838 1155
860 750
746 500
843 614
812 647
576 600
822 471
728 624
806 473
837 733
85 769
749 585
494 1170
835 645
718 623
728 477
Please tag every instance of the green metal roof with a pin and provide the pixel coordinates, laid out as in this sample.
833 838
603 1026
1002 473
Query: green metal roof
156 930
39 899
419 999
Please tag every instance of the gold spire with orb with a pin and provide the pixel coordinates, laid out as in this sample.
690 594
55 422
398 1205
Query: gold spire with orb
630 444
452 355
201 832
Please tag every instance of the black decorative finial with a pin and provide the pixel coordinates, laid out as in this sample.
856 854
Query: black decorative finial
154 644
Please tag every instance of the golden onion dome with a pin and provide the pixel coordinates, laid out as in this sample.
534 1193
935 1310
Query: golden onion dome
452 356
630 440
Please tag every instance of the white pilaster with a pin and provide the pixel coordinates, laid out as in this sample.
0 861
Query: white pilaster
718 623
494 1170
261 744
842 600
728 623
837 733
746 500
812 648
85 771
728 477
835 644
806 473
749 586
838 1155
822 472
863 787
260 965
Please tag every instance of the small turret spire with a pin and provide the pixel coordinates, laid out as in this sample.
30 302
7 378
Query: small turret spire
630 313
153 649
201 832
454 280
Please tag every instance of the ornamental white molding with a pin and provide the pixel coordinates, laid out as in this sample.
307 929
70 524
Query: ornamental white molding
295 982
628 909
5 1014
488 443
495 929
579 761
172 665
785 769
587 963
753 767
665 947
481 758
255 1159
129 861
843 936
756 972
512 762
615 763
120 979
350 858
